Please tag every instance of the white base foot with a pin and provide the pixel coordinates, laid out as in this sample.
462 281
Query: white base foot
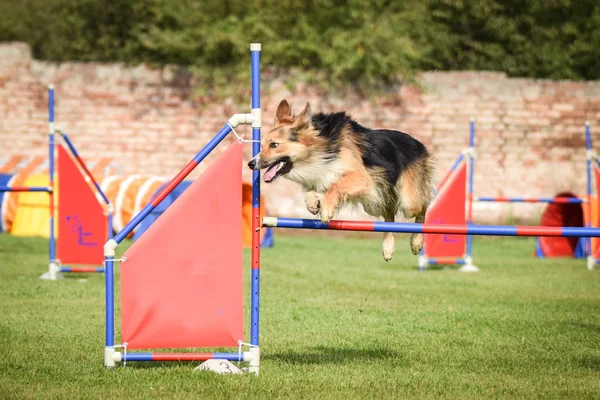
218 367
52 273
591 263
468 268
49 276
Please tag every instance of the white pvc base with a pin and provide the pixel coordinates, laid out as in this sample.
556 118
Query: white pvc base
591 263
468 268
52 273
218 367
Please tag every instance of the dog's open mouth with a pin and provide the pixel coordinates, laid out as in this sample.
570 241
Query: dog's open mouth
278 168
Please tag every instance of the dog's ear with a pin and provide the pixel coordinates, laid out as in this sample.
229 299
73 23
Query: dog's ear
284 113
305 117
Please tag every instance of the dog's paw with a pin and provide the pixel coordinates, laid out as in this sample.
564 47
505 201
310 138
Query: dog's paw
416 243
327 213
313 202
387 248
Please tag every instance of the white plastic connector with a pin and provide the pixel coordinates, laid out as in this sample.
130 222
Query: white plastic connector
469 151
591 263
109 248
255 46
269 221
252 357
591 155
237 119
109 357
257 113
117 356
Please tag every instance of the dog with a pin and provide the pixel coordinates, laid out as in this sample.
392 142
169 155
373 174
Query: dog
338 161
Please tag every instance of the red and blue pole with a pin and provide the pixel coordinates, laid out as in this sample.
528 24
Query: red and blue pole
448 229
52 243
255 49
470 187
554 200
25 189
588 147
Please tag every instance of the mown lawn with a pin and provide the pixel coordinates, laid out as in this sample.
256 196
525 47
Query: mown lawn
336 322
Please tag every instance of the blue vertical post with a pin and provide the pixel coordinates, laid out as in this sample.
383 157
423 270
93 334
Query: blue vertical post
110 300
52 243
588 147
470 190
256 223
110 222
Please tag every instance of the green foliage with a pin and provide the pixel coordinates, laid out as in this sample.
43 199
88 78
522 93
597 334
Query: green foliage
364 43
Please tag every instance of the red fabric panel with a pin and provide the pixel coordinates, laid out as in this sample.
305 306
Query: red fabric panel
448 208
561 214
82 226
181 282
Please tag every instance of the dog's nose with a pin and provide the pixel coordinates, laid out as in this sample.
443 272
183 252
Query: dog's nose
252 163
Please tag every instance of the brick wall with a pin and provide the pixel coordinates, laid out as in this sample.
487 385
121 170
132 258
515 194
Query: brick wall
530 133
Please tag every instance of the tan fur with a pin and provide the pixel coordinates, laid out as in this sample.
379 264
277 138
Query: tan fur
346 180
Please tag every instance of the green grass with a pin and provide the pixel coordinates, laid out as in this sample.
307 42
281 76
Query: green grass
336 322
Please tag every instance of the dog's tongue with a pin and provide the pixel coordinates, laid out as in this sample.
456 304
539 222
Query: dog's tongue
270 173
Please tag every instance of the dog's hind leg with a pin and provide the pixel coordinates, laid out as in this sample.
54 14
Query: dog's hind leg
415 194
388 245
417 239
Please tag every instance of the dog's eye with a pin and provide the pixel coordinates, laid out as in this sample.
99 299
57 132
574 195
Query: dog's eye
273 145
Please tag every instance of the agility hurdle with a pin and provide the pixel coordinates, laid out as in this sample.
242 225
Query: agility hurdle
83 223
181 283
204 264
438 229
454 204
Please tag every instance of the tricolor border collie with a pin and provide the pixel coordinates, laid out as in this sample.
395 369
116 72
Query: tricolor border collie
338 161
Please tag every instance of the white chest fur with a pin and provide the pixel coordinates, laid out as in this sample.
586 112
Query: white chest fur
317 176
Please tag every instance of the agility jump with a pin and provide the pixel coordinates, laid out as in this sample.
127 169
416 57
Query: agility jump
454 204
84 224
181 281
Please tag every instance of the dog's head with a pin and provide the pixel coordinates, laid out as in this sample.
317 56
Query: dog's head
288 143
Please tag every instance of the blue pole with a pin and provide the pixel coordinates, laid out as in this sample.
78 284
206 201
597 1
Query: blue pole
457 162
471 172
110 301
135 221
588 147
110 224
52 243
255 286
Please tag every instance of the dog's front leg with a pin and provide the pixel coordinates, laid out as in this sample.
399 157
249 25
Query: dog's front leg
352 184
313 202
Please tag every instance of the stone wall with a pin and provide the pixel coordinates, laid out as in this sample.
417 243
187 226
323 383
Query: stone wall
530 133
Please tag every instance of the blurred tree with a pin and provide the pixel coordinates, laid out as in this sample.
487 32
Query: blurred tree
361 42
